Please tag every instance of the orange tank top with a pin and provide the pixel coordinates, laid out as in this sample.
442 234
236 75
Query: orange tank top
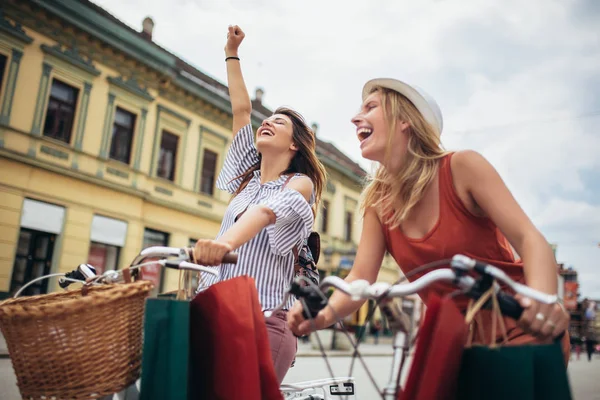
457 231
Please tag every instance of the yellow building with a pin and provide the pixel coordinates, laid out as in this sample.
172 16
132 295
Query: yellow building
110 143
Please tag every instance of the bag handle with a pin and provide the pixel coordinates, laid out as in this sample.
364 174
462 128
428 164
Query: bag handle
478 304
473 313
184 292
478 323
498 317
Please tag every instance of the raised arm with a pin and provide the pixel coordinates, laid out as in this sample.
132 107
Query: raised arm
241 106
242 154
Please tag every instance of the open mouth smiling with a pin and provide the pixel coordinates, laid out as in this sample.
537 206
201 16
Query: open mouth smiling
363 133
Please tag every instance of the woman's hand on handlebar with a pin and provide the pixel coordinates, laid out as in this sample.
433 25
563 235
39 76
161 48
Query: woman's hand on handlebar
544 321
210 252
301 326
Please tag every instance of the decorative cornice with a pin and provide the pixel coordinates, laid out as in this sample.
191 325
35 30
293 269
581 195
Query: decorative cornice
117 172
132 86
328 162
224 138
175 114
13 29
54 152
79 14
163 190
72 56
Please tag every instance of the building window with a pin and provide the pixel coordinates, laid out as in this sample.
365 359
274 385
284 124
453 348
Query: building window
325 216
32 261
348 226
154 272
167 156
61 111
106 240
209 169
3 60
122 136
103 257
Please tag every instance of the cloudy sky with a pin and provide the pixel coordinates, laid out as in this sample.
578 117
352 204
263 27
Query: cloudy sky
518 81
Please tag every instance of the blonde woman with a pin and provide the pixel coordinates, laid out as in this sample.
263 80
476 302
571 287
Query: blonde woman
425 204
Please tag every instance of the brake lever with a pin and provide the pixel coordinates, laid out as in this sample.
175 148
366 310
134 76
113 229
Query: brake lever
81 273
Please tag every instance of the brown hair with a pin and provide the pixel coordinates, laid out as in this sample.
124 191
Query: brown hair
393 195
305 160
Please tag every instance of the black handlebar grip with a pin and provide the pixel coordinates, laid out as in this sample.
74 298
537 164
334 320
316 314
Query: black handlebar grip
63 283
509 306
230 258
314 299
172 264
314 303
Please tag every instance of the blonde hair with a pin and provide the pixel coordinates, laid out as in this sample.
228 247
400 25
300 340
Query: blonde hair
393 195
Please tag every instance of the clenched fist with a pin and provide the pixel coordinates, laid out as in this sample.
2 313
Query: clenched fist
235 35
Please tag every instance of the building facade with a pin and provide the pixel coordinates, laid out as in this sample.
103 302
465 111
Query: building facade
110 144
594 323
569 288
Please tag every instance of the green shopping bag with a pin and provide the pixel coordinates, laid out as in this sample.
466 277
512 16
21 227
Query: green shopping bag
519 372
526 372
165 357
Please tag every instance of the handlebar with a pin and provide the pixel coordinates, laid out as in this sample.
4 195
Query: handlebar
170 257
180 253
457 275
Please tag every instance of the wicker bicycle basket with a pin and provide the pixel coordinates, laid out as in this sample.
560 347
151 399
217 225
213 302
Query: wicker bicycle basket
76 345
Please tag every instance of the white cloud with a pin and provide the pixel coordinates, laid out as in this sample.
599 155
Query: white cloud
563 217
527 68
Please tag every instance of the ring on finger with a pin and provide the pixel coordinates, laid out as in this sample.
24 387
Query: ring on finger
540 317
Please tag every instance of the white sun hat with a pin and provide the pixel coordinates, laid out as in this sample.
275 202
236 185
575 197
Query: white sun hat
426 105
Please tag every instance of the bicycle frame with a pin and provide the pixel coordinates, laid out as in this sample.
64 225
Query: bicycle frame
402 336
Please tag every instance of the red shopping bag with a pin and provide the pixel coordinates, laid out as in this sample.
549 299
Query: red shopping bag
438 352
230 353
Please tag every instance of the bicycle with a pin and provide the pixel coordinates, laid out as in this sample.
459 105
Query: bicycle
314 300
54 327
168 257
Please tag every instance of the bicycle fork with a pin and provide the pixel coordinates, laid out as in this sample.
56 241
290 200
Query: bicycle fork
400 325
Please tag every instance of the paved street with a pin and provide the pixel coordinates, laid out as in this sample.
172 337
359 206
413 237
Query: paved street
584 375
585 378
